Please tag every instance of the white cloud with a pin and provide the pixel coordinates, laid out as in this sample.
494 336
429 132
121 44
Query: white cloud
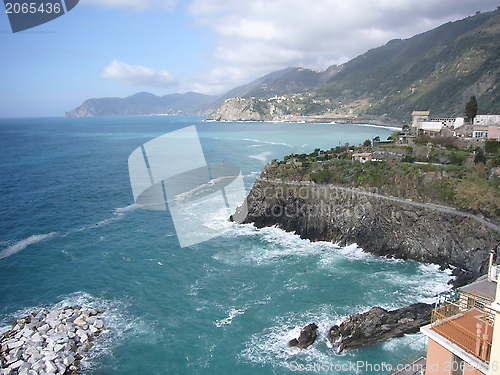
137 75
259 36
136 4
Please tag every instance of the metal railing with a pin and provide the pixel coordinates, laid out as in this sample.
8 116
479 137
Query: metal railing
410 358
445 321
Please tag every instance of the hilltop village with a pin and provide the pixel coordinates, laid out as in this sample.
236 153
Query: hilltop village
449 161
479 127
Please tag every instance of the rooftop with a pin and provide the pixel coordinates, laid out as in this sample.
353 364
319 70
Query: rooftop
482 285
461 329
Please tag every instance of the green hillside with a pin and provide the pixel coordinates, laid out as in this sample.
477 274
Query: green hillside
438 70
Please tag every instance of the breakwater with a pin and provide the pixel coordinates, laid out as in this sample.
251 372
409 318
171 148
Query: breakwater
49 342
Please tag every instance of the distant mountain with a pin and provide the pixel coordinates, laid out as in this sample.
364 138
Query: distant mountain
438 70
283 82
144 103
243 90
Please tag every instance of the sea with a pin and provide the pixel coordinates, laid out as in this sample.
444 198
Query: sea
71 234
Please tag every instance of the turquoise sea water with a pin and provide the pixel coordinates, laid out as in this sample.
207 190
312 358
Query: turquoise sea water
70 234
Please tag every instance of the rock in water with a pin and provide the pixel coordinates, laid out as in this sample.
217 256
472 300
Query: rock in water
378 324
307 337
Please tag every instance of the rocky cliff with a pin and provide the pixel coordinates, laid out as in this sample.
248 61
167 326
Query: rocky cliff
241 109
378 324
321 212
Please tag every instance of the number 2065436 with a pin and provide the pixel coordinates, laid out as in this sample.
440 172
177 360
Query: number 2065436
32 8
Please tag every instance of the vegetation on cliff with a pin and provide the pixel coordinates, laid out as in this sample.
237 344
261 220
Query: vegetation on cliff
435 172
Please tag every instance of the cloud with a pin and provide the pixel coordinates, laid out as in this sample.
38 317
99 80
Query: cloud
260 36
139 5
137 75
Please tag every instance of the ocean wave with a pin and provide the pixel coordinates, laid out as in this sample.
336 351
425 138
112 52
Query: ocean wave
118 214
24 243
409 281
264 156
270 346
232 313
267 142
272 244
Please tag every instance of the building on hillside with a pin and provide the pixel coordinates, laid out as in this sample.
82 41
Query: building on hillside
431 128
494 132
480 131
459 121
484 126
486 120
362 157
422 123
418 117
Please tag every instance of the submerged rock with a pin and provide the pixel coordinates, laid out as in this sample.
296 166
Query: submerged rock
379 324
307 337
49 342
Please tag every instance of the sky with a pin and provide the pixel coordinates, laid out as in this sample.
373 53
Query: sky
116 48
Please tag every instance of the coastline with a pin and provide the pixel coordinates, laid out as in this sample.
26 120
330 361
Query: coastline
382 227
316 120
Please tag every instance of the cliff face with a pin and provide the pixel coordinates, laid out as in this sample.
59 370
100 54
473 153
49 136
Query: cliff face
380 226
240 109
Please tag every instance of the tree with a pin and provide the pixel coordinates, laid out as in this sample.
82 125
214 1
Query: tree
394 136
479 158
471 108
367 143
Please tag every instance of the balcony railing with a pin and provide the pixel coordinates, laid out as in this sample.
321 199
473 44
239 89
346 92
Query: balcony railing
468 323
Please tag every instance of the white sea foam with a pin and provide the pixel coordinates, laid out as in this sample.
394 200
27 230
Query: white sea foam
412 341
264 156
275 244
268 142
270 346
118 214
232 313
24 243
409 281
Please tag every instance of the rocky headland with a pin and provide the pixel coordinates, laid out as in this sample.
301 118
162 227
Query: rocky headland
378 324
389 208
49 342
383 227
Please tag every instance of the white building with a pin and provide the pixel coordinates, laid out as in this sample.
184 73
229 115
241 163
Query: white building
485 120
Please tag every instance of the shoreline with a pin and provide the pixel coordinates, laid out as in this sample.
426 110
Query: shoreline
290 121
